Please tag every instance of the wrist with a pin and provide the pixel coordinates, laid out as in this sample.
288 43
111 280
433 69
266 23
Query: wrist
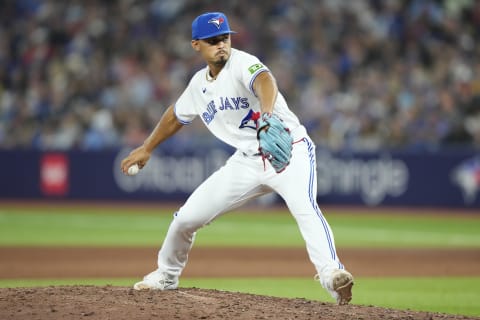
267 114
147 147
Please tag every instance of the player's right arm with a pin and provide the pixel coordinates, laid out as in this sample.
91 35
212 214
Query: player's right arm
165 128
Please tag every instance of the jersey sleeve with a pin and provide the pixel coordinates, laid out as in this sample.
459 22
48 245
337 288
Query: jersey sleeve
184 106
249 67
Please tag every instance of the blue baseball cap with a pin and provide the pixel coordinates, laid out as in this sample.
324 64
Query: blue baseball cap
210 24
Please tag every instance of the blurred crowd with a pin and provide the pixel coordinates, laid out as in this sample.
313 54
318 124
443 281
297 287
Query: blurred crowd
363 75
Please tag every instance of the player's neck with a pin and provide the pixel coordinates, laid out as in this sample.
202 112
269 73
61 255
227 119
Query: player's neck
214 68
212 73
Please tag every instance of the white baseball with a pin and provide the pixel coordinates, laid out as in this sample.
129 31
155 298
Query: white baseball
133 170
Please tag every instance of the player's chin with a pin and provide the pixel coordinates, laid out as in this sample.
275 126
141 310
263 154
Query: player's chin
221 61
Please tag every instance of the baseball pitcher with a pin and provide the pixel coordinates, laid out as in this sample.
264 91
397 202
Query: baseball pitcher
237 98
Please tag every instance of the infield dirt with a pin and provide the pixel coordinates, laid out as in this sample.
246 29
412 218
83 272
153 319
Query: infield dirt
89 302
111 262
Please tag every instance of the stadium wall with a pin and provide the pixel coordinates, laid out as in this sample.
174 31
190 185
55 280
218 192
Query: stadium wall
449 179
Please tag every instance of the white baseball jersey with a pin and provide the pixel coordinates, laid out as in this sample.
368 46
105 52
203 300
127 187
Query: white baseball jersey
226 104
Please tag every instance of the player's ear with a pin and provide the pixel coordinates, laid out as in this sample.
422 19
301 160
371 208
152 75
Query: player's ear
196 45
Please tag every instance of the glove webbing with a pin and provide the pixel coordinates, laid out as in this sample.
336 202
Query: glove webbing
255 117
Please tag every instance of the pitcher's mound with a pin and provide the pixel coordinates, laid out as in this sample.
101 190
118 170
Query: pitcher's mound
108 302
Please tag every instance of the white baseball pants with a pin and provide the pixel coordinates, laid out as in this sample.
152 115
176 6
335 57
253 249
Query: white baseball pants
243 178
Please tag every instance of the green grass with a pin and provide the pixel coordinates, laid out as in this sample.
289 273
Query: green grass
136 226
445 295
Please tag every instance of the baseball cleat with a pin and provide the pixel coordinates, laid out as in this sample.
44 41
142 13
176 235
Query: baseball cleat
157 280
342 283
339 285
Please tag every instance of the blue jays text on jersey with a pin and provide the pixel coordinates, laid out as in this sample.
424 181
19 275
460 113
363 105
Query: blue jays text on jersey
225 103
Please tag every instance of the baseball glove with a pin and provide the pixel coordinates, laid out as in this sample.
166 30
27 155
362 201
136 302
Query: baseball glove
275 141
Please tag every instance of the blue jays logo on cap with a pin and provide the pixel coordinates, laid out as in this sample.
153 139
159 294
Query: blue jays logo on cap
216 21
210 24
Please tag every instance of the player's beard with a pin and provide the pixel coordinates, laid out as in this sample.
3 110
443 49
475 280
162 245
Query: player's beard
221 61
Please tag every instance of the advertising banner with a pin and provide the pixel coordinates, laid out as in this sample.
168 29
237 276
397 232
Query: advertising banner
386 179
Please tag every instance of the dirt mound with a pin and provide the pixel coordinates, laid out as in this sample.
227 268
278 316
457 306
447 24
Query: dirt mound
108 302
